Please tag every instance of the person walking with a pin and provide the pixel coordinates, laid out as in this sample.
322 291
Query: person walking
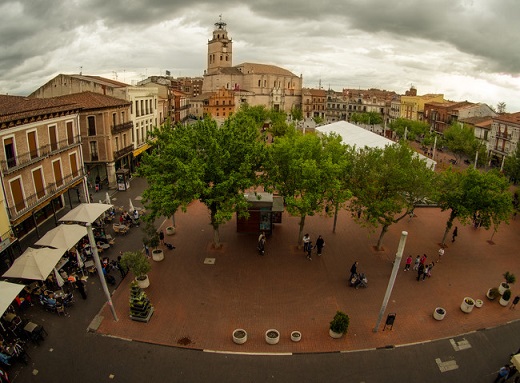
408 263
503 374
420 271
306 240
320 243
261 243
309 250
161 237
423 259
80 285
353 270
441 253
454 234
416 263
146 250
430 267
120 267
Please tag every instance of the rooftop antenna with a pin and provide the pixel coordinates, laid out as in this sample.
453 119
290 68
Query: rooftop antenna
220 24
115 74
80 70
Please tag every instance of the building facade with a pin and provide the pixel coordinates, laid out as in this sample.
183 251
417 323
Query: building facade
504 137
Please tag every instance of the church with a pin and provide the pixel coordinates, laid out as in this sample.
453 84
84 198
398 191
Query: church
255 84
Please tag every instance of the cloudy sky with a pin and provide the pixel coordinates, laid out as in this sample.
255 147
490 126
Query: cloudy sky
465 49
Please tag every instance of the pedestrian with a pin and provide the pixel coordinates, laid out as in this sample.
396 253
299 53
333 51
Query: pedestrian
503 374
306 240
441 253
423 259
416 263
120 267
425 272
420 271
146 250
161 237
320 243
261 244
80 285
309 251
430 267
353 270
454 234
515 302
408 263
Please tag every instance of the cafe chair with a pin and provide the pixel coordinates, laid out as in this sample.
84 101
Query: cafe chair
35 332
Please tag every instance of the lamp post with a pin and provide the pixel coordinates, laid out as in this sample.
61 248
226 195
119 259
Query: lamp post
99 268
391 282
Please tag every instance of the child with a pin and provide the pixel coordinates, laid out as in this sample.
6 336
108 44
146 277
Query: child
408 263
416 263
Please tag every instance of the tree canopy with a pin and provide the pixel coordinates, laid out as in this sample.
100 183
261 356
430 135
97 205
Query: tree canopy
368 118
414 129
461 140
512 165
205 162
482 198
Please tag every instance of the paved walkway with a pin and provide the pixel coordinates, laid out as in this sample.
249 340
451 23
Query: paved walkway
198 305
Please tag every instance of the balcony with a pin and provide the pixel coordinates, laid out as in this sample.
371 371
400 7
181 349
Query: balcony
503 136
122 127
25 159
123 152
41 196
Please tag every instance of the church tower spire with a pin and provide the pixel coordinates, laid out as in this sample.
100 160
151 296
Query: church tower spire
220 49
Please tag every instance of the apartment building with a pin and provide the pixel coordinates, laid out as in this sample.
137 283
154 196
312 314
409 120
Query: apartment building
336 106
412 105
441 115
41 158
313 103
504 137
369 101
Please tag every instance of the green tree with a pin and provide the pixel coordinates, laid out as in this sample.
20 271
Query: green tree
296 113
387 185
473 196
414 129
460 140
367 118
202 161
303 172
512 165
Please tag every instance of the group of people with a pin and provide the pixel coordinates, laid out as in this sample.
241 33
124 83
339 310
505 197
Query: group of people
308 247
420 265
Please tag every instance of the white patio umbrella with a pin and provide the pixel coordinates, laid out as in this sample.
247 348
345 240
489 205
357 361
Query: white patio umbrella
63 236
86 212
8 291
132 208
107 198
59 279
35 264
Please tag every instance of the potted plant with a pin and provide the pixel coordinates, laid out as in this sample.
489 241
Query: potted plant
296 336
239 336
509 280
138 264
152 240
492 293
478 303
141 309
439 313
272 336
504 300
339 325
467 304
170 230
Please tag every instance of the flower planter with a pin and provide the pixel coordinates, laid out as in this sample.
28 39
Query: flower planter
439 313
479 303
143 283
335 335
272 336
239 336
503 302
157 255
503 287
296 336
467 305
170 230
492 293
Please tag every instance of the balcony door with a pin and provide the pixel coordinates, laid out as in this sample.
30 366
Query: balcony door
17 193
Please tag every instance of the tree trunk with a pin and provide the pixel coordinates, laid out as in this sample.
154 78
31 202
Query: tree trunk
216 237
336 208
300 234
449 224
380 240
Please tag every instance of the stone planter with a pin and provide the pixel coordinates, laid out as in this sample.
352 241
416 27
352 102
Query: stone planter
157 255
439 313
335 335
502 287
492 293
143 283
467 304
170 230
239 336
479 303
503 302
272 336
296 336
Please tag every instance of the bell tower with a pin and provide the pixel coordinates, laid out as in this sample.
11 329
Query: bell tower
220 49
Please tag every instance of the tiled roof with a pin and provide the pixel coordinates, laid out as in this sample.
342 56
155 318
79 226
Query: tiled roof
91 100
263 69
100 80
509 117
13 108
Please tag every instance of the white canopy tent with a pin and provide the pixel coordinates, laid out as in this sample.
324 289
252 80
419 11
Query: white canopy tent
354 135
35 264
86 212
63 236
8 292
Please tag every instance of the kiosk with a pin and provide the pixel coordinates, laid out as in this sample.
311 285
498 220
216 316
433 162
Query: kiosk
123 179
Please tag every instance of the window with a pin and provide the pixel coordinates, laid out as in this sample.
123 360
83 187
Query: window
142 106
53 137
259 82
33 146
113 119
116 143
123 116
38 183
70 132
124 140
91 122
58 177
93 151
17 193
10 154
74 165
137 108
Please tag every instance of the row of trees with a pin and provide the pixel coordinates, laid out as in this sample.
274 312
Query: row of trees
315 175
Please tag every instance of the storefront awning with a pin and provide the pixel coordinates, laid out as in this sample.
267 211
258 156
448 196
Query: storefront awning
141 149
